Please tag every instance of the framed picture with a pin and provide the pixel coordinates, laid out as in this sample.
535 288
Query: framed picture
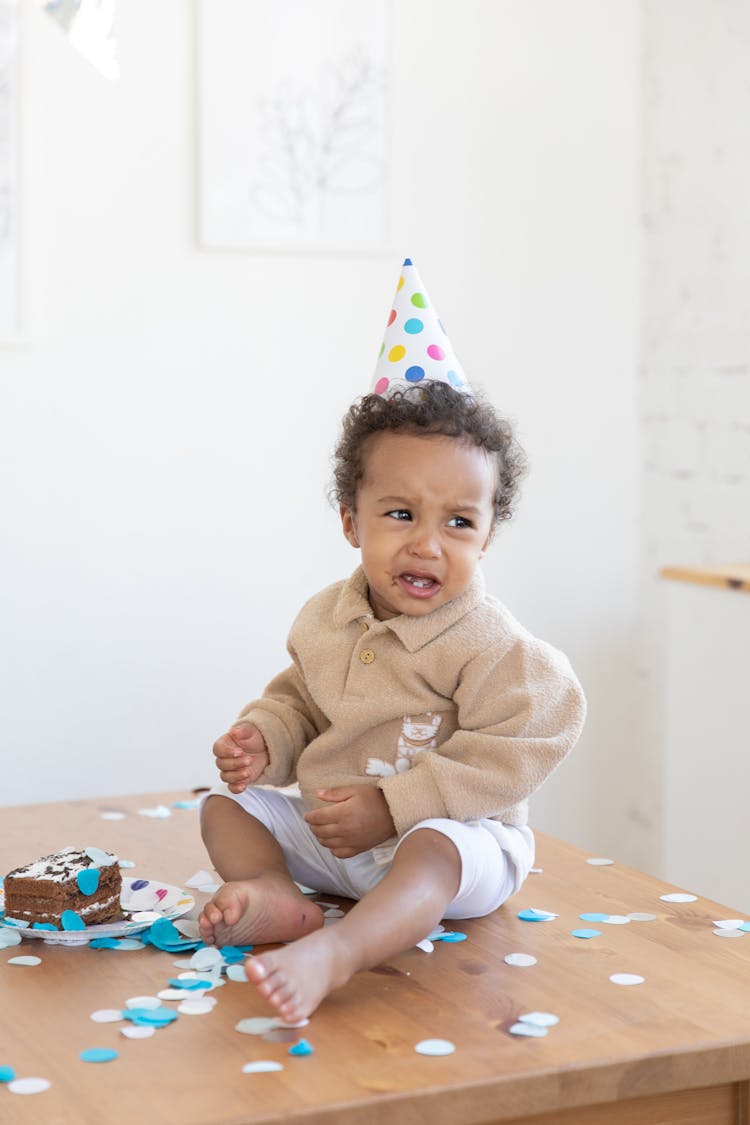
8 197
293 137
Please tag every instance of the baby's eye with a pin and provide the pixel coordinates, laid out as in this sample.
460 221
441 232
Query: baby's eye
399 514
459 521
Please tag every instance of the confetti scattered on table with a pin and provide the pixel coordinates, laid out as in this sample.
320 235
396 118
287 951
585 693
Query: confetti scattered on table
426 945
723 932
301 1048
112 814
639 916
540 1019
138 1031
143 1002
9 938
532 1030
197 1007
534 915
434 1047
191 804
237 973
260 1066
106 1015
586 933
29 1085
731 924
616 919
521 959
678 896
25 961
593 916
7 1074
160 812
600 861
626 978
98 1054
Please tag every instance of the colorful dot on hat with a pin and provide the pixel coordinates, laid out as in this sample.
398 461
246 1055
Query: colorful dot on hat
382 386
413 326
391 317
414 374
419 300
400 283
455 379
397 353
435 352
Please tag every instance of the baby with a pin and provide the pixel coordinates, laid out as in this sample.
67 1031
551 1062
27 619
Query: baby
417 715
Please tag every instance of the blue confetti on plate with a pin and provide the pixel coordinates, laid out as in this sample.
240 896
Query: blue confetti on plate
71 920
43 926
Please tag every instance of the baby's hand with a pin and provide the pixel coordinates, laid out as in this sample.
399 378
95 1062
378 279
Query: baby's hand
355 819
241 756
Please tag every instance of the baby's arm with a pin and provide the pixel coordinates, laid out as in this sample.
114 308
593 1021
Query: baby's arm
241 756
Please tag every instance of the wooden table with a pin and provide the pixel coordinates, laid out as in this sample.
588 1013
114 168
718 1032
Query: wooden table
675 1048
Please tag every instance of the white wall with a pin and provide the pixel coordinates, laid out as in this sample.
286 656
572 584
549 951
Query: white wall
694 387
165 433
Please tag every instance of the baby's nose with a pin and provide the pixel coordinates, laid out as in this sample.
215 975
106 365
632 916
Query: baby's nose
426 545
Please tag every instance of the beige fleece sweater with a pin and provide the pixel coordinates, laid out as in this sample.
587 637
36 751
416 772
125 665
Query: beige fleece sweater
460 714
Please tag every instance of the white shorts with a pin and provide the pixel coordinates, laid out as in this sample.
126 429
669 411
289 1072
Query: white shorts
495 857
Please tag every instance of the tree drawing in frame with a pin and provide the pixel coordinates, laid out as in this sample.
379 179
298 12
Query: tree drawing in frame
293 149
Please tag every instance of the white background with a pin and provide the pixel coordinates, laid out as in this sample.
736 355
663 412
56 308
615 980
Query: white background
165 435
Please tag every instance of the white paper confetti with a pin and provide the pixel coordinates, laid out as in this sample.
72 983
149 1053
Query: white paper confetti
206 958
260 1066
679 897
9 937
24 961
626 978
199 878
106 1015
150 1002
112 814
723 932
638 916
188 927
126 864
99 857
135 1031
256 1025
197 1007
176 993
616 919
540 1019
426 945
160 812
533 1030
29 1085
522 960
436 1047
600 861
729 923
237 973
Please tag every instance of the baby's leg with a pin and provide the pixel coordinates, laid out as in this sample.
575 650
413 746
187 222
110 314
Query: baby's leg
401 910
259 902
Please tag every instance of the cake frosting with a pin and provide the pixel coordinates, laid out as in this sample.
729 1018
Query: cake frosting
86 881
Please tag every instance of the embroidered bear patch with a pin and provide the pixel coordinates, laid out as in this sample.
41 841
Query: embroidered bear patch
416 735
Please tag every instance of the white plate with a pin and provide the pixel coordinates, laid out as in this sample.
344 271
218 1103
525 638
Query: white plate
146 899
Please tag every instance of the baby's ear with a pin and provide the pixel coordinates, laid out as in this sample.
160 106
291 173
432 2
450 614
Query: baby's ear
348 525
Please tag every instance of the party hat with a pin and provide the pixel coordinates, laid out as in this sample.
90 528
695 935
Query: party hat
416 347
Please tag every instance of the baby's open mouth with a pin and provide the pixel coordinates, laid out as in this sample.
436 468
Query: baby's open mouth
420 581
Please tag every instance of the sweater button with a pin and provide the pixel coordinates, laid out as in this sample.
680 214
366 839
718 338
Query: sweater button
367 656
363 626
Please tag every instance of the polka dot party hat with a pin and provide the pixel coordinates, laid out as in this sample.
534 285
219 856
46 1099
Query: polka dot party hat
416 347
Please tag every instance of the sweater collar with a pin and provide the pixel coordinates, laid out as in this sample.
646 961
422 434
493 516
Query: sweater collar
413 632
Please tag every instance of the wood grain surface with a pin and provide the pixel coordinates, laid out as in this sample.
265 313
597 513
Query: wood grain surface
675 1048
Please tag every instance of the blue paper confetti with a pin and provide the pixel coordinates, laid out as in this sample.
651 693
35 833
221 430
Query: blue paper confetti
186 804
43 926
745 926
104 943
88 880
7 1074
98 1054
301 1047
586 933
71 920
189 984
534 915
154 1017
594 916
451 937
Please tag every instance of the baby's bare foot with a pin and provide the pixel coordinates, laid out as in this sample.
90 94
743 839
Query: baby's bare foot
296 978
268 908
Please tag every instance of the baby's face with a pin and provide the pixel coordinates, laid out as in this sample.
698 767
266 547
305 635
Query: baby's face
423 520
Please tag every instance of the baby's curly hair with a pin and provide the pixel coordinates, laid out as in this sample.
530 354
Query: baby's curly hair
432 408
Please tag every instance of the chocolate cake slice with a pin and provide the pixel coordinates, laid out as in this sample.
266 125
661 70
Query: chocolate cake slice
43 890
